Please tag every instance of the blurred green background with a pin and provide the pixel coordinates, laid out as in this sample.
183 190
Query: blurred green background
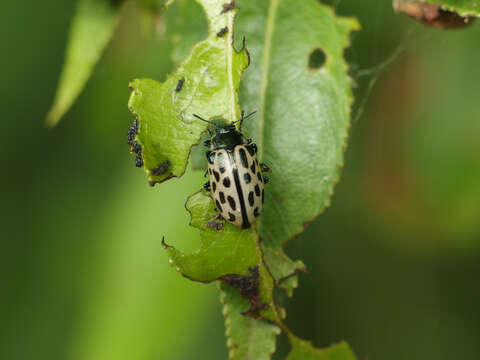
393 264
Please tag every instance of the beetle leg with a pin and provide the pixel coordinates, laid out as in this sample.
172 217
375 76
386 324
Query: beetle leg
249 141
210 156
214 224
206 173
265 179
252 148
265 168
207 143
206 186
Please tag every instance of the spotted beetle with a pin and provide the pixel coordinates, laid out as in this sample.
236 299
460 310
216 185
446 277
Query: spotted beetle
235 181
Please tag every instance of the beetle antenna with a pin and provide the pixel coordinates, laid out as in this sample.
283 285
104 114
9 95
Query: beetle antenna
198 117
244 117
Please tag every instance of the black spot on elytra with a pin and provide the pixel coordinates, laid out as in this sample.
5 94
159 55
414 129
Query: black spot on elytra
257 190
253 168
222 170
231 217
247 178
226 182
210 171
214 186
255 212
259 176
219 208
251 200
243 158
232 203
217 175
222 197
263 195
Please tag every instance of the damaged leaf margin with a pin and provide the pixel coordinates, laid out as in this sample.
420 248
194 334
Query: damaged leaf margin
209 78
444 14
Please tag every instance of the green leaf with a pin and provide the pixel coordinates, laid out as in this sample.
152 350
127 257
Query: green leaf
462 7
186 25
92 28
304 350
155 5
305 167
228 251
282 268
211 77
247 338
303 112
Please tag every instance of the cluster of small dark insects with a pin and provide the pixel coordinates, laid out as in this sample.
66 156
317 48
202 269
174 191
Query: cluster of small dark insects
134 147
235 181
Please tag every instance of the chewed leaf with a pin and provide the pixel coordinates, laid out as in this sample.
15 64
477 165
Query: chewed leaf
282 268
226 253
248 338
299 84
205 84
229 250
92 28
304 350
444 14
461 7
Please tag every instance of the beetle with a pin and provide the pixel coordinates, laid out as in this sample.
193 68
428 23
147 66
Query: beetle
236 181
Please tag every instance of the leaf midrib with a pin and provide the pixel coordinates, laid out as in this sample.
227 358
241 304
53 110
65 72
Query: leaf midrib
272 11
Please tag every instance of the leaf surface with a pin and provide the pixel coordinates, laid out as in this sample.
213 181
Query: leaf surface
303 113
304 350
211 77
247 338
93 25
462 7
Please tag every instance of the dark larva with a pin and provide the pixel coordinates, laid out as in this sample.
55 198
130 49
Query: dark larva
179 85
243 158
222 31
226 182
247 178
251 200
231 201
257 190
222 197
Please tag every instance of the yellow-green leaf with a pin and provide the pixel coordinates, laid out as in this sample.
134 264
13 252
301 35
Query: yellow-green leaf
92 28
210 78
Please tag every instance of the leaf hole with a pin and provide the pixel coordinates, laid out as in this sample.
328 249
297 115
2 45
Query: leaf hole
316 59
